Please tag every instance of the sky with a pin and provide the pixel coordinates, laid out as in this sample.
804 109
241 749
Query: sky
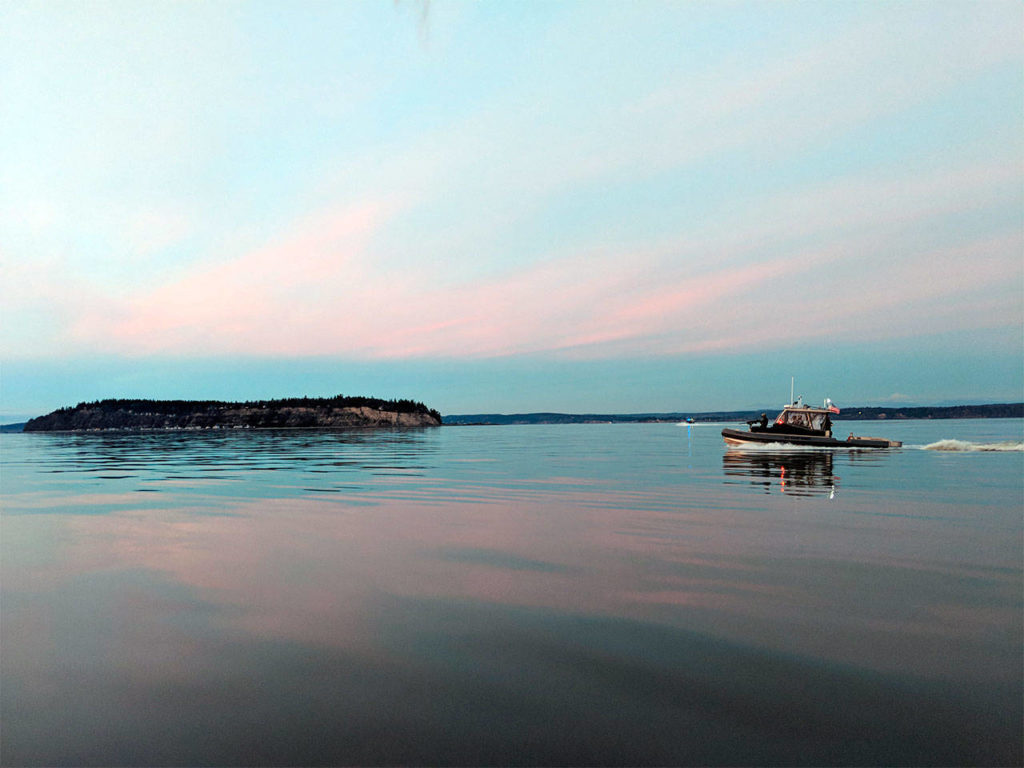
595 206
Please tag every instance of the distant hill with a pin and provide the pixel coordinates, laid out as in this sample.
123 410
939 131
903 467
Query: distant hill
990 411
561 418
301 412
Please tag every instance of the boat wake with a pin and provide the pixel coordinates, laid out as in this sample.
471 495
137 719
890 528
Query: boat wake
967 446
784 448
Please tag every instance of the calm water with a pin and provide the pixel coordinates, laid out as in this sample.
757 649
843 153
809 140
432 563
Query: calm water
593 594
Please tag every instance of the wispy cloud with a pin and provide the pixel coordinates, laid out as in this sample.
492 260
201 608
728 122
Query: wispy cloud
260 297
586 181
857 259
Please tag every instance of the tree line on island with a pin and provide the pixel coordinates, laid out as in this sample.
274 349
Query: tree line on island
188 406
338 411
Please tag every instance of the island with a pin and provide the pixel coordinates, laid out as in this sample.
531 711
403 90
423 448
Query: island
298 412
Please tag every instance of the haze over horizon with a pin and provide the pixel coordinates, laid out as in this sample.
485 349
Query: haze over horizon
605 207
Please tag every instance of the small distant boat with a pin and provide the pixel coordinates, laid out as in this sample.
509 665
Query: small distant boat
800 424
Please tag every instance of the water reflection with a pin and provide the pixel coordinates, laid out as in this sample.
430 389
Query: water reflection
496 596
239 449
799 473
211 467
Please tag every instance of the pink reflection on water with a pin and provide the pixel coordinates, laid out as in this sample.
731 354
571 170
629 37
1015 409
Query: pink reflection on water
316 569
310 569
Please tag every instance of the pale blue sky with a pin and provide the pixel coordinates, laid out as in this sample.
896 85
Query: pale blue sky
510 206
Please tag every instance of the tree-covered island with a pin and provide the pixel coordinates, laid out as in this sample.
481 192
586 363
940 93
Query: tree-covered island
296 412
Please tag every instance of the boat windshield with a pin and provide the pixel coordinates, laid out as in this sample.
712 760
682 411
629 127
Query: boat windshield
802 418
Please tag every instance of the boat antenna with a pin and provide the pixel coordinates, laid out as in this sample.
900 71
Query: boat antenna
791 380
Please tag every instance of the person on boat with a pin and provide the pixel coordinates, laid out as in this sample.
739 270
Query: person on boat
827 426
761 423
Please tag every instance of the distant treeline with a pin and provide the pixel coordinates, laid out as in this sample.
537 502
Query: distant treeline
991 411
561 418
178 407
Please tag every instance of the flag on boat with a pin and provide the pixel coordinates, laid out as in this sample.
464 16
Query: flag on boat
831 406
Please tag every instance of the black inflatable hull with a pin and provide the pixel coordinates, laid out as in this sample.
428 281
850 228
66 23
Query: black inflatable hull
739 437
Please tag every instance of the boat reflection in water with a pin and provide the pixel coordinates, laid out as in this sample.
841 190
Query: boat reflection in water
801 473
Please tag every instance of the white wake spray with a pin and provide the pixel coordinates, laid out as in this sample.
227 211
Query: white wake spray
968 446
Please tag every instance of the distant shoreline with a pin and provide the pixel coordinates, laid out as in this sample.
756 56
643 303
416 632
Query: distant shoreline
858 413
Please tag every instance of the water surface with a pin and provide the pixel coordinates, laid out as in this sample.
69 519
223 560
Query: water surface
573 594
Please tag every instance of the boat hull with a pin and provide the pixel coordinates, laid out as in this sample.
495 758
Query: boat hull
739 437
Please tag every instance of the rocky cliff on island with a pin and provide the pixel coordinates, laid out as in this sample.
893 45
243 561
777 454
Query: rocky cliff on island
302 412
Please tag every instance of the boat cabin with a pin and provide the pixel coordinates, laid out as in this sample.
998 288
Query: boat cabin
798 418
803 417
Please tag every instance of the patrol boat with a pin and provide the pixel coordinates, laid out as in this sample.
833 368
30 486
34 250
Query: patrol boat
800 424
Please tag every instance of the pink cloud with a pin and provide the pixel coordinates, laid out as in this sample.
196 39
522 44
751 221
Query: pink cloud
864 268
234 304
